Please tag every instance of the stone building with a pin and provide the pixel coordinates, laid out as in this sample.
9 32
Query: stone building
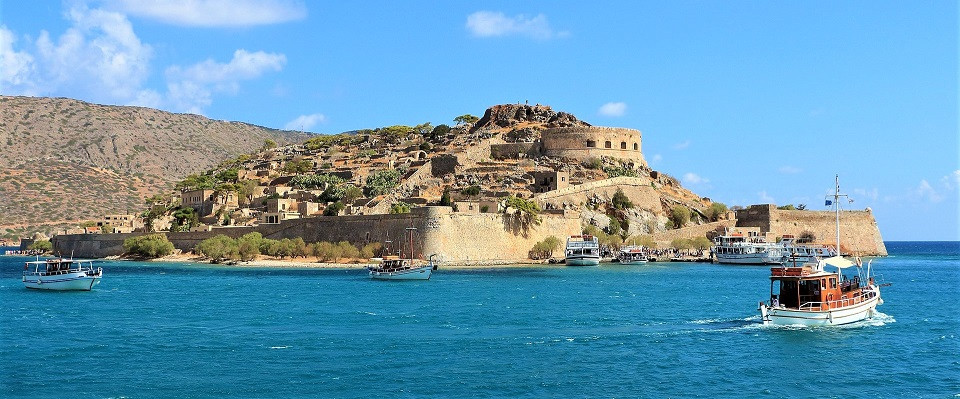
583 142
549 180
120 223
206 202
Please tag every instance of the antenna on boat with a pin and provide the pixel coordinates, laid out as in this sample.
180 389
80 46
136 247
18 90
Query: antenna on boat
834 200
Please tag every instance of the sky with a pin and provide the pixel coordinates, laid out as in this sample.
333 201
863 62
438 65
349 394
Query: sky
745 102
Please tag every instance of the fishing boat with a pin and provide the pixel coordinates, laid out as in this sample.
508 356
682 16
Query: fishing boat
632 255
61 275
397 267
812 295
582 250
737 249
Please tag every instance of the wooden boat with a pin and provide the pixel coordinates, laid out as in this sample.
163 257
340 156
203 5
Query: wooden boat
396 267
811 295
632 255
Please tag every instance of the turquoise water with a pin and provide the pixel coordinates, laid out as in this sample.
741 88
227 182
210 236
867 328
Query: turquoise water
660 330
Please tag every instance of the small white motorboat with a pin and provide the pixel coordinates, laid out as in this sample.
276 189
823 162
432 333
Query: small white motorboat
61 275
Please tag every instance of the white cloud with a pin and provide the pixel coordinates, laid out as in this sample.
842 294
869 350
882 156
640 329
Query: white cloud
98 58
693 179
305 122
191 88
682 145
212 13
494 24
766 199
656 158
926 192
16 68
790 170
952 180
613 109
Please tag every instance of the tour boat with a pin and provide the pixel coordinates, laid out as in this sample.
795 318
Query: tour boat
796 253
735 248
396 267
61 275
811 295
632 255
582 250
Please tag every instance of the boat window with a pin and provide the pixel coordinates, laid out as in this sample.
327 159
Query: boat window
833 283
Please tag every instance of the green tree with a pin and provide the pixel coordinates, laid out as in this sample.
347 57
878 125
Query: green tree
679 215
333 209
701 243
248 246
438 133
716 210
218 248
614 227
370 250
196 182
150 246
445 198
269 144
471 191
621 201
351 193
231 175
184 219
466 119
43 246
681 243
527 213
297 166
787 207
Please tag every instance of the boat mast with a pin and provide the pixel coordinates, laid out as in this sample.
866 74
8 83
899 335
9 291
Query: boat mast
836 203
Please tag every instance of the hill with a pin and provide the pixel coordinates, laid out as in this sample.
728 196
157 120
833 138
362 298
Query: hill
64 161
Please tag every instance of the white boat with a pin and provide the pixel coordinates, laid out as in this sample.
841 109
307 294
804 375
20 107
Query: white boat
582 250
810 295
797 254
396 267
633 255
735 248
61 275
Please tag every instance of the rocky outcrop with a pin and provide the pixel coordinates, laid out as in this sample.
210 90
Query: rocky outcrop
510 115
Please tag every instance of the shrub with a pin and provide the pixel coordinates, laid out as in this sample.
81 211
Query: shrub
381 182
681 243
621 201
806 237
787 207
333 209
614 227
370 250
399 207
544 249
471 191
701 243
43 246
679 215
150 245
445 198
593 163
218 248
716 210
617 171
526 212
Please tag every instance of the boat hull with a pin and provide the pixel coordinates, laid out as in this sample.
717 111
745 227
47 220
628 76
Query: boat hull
749 259
419 273
831 317
62 282
583 261
633 262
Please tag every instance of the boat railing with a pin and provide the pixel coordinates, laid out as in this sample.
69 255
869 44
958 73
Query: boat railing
839 303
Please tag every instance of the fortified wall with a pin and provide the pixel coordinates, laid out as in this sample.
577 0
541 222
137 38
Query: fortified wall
455 237
582 142
859 234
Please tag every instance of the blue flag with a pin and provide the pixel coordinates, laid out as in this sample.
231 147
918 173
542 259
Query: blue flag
828 203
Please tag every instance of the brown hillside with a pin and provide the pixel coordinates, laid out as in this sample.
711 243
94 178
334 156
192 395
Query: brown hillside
63 160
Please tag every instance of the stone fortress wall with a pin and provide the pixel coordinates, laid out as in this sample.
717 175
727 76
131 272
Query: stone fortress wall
592 141
456 238
859 233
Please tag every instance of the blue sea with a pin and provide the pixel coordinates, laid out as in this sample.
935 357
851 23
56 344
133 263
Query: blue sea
660 330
